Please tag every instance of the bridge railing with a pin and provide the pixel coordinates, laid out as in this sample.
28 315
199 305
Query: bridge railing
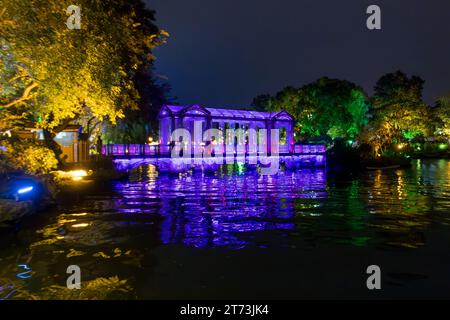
146 150
132 150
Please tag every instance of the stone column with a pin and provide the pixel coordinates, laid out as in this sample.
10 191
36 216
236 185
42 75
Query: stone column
290 136
269 126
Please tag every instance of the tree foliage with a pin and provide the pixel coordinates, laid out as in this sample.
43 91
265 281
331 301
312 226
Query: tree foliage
441 116
141 123
326 107
54 74
263 102
395 114
398 113
28 156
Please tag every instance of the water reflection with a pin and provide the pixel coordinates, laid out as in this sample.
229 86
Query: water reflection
233 208
212 210
112 235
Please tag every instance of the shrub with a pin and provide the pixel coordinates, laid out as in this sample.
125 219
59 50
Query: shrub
29 156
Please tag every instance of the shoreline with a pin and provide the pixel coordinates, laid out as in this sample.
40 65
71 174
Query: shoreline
56 191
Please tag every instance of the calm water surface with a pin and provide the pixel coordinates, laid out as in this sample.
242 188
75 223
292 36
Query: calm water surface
236 234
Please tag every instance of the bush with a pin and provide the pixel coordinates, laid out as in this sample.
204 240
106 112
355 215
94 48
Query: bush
5 166
28 156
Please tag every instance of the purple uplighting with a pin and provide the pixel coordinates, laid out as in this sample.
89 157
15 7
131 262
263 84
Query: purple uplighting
292 156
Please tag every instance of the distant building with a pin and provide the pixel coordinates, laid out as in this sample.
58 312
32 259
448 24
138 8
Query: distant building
73 148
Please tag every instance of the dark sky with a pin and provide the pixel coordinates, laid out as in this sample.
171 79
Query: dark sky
225 52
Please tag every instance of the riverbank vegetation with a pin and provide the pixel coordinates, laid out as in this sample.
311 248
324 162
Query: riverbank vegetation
53 76
389 126
99 77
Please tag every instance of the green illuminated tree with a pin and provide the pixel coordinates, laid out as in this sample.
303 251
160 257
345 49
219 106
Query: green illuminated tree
326 107
332 107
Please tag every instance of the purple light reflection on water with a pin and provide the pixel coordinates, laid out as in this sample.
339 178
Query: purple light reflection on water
222 209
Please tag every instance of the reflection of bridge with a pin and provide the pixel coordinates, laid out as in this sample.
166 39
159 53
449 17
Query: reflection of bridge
203 211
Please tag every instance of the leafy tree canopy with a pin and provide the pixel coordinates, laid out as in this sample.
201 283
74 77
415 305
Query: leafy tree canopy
53 75
326 107
441 116
398 112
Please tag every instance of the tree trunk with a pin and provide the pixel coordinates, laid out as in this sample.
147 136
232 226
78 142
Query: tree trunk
53 145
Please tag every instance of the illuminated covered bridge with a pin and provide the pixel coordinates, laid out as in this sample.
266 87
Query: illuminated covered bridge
177 117
253 145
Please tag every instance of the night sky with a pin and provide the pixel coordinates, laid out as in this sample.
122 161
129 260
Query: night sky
225 52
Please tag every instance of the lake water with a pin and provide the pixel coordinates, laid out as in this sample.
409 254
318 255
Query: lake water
236 234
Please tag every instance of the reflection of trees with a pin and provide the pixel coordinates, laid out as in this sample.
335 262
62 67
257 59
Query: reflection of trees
340 217
96 289
388 207
115 235
399 207
102 243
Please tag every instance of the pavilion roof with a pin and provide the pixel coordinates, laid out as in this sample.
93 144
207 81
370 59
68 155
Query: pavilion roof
228 113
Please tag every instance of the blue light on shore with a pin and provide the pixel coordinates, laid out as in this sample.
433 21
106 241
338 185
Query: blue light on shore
24 190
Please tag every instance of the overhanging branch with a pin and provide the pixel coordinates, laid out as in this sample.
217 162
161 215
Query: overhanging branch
25 96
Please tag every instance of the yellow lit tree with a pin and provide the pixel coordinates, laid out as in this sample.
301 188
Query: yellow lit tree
53 74
441 114
398 113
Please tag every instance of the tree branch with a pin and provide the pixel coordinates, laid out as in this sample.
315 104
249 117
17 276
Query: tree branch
25 96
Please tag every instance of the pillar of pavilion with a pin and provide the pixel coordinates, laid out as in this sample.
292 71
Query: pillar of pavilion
175 117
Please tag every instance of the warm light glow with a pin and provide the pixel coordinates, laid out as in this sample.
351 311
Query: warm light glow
75 175
79 214
80 225
400 146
